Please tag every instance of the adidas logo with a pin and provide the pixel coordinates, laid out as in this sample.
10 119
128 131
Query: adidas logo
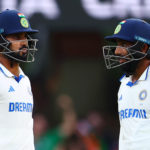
11 89
120 97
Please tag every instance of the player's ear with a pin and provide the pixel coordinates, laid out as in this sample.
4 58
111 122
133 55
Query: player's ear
144 48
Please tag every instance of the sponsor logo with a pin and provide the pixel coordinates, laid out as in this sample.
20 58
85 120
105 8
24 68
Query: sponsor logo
20 107
132 113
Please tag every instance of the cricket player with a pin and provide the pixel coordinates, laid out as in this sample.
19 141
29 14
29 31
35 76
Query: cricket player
131 51
16 100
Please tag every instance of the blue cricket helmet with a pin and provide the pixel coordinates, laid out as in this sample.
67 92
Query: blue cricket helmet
13 21
132 30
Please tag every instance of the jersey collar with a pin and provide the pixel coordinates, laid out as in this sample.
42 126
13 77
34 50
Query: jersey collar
7 73
145 74
143 77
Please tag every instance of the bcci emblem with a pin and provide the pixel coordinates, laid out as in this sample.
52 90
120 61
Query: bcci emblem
24 22
118 28
143 95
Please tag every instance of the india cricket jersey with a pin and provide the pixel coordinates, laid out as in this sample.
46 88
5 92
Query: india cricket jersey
134 113
16 104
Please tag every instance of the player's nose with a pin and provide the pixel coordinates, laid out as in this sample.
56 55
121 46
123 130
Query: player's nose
120 51
24 42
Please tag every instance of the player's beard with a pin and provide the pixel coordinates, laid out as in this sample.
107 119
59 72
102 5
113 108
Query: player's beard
18 55
129 68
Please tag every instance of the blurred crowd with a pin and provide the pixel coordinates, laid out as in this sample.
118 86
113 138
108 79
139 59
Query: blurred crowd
73 133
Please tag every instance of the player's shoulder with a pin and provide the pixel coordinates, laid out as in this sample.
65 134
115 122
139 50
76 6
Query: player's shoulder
2 76
26 79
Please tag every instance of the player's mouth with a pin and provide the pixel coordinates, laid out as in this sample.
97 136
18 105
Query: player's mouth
23 51
122 61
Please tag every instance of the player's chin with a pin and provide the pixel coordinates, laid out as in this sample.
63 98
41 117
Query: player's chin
23 53
21 56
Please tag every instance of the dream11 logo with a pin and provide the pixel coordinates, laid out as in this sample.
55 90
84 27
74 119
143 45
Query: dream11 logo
97 9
